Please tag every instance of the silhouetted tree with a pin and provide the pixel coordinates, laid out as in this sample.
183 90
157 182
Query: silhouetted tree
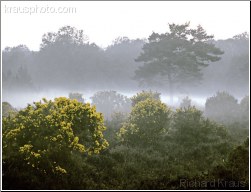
222 108
109 102
177 56
77 96
186 102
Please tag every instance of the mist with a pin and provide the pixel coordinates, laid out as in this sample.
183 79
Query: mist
56 70
138 114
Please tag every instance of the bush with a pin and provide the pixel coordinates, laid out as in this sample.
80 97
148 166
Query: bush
186 102
222 108
77 96
49 139
244 110
199 142
8 110
235 168
145 95
108 102
147 121
113 125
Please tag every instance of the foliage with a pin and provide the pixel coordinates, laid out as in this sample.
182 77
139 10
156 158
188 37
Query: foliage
147 121
244 109
222 108
113 125
241 36
61 144
108 102
176 57
65 35
186 102
48 138
67 53
8 110
145 95
235 168
199 141
16 68
77 96
231 73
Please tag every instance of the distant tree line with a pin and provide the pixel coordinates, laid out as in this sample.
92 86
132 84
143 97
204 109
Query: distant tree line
67 60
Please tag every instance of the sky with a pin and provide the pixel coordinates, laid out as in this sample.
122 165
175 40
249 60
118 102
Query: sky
26 22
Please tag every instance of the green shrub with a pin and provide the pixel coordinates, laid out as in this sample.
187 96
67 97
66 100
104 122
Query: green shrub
244 110
49 138
235 169
7 109
199 142
145 95
148 120
77 96
186 102
108 102
222 108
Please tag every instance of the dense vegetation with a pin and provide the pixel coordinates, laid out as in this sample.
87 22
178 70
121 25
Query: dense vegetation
63 144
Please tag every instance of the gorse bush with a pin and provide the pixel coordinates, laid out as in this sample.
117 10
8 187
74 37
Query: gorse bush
148 120
145 95
49 137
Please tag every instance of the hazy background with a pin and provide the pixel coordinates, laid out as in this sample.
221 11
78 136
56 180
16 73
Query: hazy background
115 33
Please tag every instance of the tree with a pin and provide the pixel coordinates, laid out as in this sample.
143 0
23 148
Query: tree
77 96
235 168
121 55
23 79
67 53
109 102
17 68
199 142
113 125
244 107
238 162
177 56
8 110
186 102
222 108
49 138
242 36
231 73
145 95
65 36
147 121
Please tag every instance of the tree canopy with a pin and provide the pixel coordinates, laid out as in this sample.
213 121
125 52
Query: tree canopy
176 57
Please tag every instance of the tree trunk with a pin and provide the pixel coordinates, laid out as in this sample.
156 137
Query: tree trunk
170 82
